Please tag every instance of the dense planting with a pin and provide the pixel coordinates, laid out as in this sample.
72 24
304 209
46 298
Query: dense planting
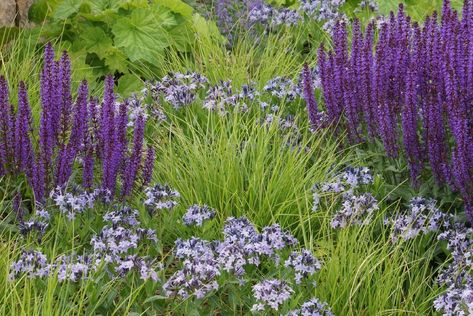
246 180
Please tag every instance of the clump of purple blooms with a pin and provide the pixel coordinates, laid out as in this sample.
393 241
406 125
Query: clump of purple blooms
248 14
32 263
182 90
178 89
159 197
197 214
411 88
271 293
304 264
77 201
356 208
458 275
86 132
242 246
422 217
199 271
114 247
118 242
121 236
312 307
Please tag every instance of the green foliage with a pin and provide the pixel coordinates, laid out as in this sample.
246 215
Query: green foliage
113 37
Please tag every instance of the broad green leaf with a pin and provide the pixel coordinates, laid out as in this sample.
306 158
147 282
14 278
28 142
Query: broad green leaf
177 6
38 11
66 8
98 6
116 60
139 36
164 17
94 39
80 67
206 29
134 4
181 36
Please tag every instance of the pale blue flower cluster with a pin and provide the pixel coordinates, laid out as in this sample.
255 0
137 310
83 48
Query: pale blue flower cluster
313 307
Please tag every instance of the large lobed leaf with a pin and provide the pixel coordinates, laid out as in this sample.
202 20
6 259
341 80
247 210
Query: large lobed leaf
140 35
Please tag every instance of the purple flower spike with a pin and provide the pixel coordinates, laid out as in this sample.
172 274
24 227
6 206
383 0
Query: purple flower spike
149 165
107 132
409 126
70 134
6 128
24 148
67 155
66 98
311 102
46 136
134 161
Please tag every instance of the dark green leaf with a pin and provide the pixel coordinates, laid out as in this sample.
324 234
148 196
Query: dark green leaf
66 8
177 6
95 40
38 11
99 6
129 83
140 36
116 60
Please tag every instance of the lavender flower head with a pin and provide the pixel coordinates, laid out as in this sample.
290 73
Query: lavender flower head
73 203
123 216
422 217
356 176
179 89
282 88
455 301
356 210
197 214
33 263
199 271
271 293
74 268
303 263
314 307
271 240
160 197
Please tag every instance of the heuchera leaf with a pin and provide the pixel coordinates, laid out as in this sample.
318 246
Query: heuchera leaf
129 83
139 36
66 8
177 6
133 4
98 6
116 60
94 39
81 68
164 17
181 36
206 29
38 11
